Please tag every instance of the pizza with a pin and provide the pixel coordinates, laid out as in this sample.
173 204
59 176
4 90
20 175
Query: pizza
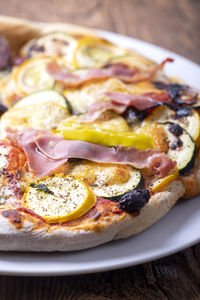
96 142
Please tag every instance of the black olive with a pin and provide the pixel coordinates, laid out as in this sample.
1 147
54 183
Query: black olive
134 200
175 129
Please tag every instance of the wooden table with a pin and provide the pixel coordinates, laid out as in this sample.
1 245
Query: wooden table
171 24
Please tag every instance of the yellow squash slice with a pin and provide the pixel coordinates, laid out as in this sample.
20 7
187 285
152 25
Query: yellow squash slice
32 76
160 183
59 198
95 52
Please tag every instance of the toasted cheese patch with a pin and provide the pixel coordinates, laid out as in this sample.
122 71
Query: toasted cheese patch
80 99
43 116
59 198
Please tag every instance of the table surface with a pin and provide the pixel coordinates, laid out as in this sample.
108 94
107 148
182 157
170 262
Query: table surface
173 25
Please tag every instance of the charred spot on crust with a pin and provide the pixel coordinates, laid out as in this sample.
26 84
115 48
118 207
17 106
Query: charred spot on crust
175 129
14 217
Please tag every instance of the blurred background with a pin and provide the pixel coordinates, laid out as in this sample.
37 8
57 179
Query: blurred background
172 24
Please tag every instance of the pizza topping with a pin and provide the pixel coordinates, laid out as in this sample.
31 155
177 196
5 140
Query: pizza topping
183 111
157 184
93 134
44 159
42 187
32 76
53 44
175 129
95 52
188 119
5 53
69 199
47 115
108 180
120 101
181 94
119 70
185 153
44 97
134 200
176 144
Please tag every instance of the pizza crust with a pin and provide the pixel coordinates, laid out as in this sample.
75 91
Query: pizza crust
70 239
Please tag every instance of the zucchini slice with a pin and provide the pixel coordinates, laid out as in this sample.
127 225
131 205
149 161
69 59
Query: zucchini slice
32 76
52 44
95 52
182 148
116 191
190 122
108 180
44 96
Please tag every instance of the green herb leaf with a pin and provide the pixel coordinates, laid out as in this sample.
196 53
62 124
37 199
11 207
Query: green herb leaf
42 187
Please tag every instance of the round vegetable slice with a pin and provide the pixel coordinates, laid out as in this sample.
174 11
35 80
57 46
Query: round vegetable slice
44 116
59 198
32 76
108 180
189 120
182 148
95 52
158 184
45 96
52 44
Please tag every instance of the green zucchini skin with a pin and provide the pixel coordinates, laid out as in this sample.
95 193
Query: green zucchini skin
47 95
188 148
139 185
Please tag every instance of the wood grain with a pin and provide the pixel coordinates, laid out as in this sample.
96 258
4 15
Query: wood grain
171 24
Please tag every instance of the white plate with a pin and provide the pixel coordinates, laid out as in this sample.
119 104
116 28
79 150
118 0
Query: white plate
177 230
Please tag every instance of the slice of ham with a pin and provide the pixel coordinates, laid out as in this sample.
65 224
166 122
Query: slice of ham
46 152
121 71
119 102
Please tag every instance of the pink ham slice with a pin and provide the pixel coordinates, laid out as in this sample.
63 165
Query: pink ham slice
46 152
121 71
120 101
